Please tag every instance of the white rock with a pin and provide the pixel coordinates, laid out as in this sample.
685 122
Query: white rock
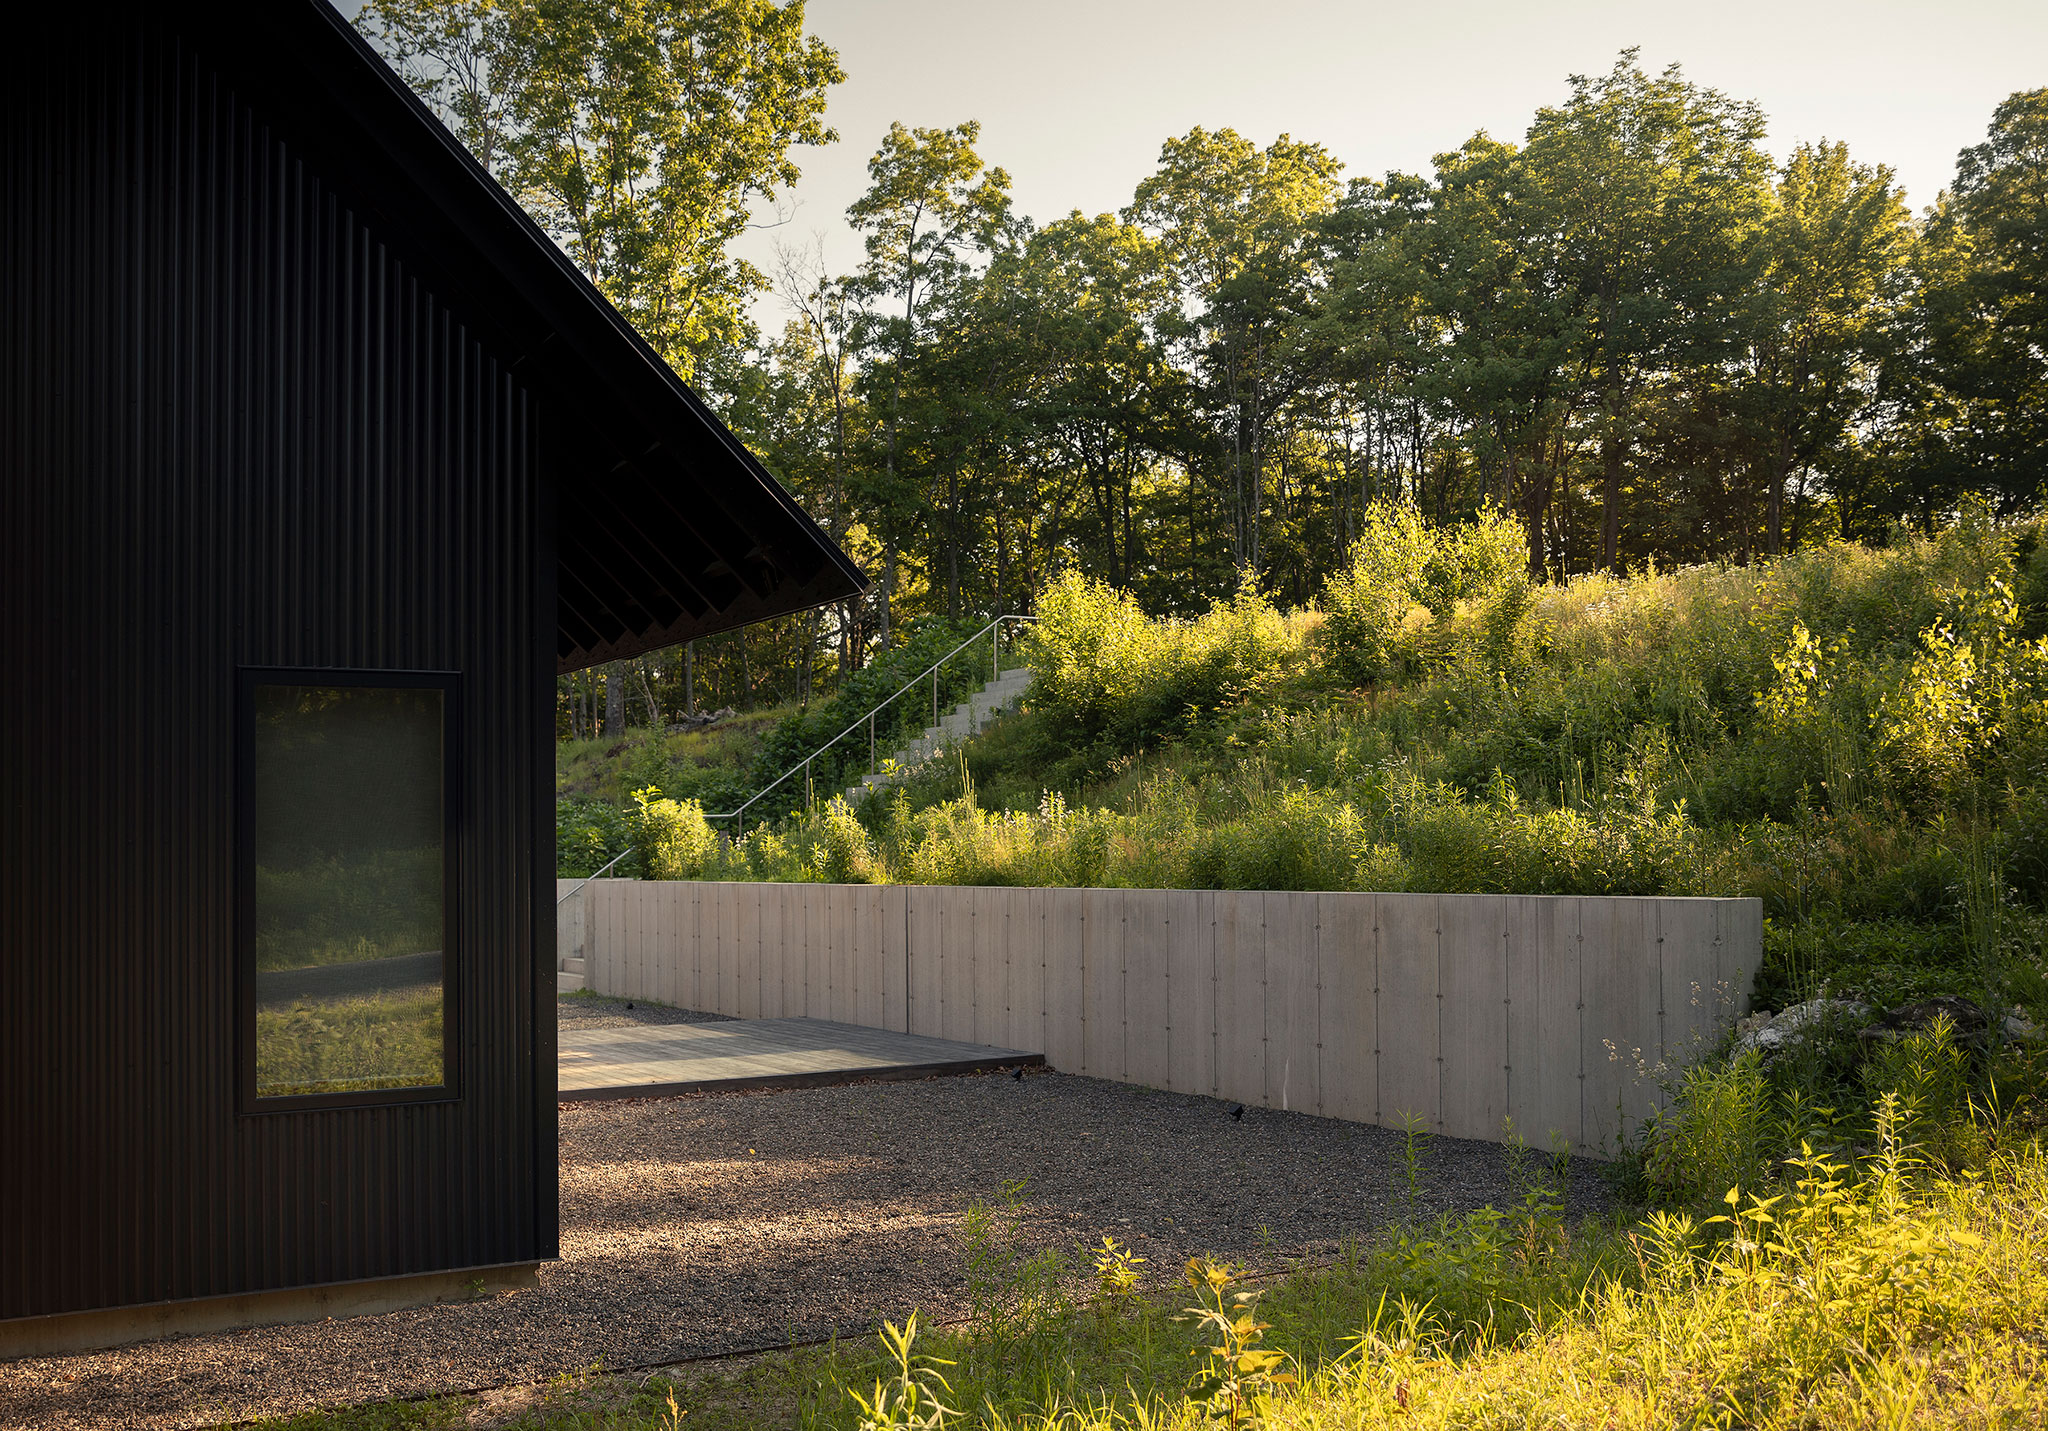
1769 1033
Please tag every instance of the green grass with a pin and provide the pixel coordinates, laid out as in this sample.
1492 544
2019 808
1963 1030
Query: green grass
717 770
331 911
693 763
1873 1291
1857 737
341 1045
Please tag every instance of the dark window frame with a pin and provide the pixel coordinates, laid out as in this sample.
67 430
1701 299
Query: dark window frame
449 683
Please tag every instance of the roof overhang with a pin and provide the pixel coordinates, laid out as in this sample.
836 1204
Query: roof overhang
667 528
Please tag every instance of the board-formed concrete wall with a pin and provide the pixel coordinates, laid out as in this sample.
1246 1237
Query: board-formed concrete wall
1460 1010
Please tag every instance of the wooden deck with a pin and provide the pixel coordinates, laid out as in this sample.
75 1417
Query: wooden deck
656 1059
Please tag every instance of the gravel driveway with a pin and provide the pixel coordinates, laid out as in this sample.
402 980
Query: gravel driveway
717 1222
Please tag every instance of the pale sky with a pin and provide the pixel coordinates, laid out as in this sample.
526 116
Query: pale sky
1075 97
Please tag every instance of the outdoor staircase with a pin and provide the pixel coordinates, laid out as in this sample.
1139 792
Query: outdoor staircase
972 716
571 943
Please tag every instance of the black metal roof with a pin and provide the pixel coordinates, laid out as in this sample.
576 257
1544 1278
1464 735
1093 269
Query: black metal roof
668 528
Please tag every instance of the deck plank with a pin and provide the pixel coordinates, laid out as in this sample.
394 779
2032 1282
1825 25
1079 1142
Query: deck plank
623 1062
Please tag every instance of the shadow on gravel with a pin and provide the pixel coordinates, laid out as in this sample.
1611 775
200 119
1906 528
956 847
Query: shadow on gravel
718 1222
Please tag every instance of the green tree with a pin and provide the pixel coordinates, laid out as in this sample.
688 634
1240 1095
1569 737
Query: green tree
1104 399
1976 340
931 209
1370 339
1652 191
826 318
1236 220
639 133
1836 233
1513 359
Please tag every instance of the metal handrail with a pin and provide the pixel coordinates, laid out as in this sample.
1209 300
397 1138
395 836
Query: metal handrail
589 877
804 766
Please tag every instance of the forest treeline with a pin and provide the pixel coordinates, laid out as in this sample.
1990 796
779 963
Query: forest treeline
1637 330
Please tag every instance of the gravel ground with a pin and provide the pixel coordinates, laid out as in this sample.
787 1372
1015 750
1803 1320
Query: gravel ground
589 1011
716 1222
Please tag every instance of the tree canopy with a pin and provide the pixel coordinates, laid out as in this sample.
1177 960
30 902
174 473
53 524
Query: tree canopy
1635 329
637 132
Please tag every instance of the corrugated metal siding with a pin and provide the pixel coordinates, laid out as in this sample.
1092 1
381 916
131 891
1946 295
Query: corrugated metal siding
237 429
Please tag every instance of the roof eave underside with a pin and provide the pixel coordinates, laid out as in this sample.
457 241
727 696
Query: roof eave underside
668 529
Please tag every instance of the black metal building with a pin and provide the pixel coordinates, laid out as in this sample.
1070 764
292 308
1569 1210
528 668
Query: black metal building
318 462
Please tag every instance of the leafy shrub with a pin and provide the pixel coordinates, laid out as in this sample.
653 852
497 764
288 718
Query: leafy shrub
1106 674
1932 1080
1811 721
672 837
1365 636
1475 562
841 852
1715 1135
589 834
1933 724
1372 629
1302 839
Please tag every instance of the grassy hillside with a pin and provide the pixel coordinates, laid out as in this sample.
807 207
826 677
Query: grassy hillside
595 780
1858 737
693 764
1847 1232
599 783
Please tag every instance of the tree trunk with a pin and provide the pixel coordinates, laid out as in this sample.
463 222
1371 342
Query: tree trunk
1774 498
1535 503
644 669
1002 558
888 589
1611 449
1561 513
805 650
952 545
614 699
1798 511
1258 493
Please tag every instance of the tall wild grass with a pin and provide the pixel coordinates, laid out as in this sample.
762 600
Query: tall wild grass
1892 1285
1857 736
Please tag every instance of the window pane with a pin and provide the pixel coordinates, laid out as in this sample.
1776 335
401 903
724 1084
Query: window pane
347 839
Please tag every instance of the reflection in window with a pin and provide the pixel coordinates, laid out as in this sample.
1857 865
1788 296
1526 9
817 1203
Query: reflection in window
348 834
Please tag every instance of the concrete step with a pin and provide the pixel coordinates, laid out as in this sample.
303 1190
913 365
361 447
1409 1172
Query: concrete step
969 718
573 965
568 983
